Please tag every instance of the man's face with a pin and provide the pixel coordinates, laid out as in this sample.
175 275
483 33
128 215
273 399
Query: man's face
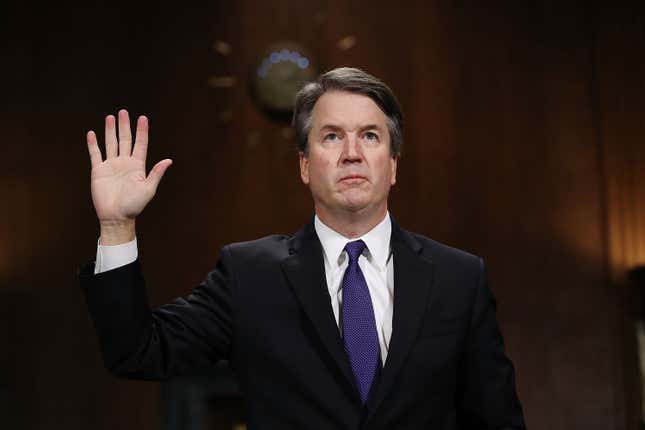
349 167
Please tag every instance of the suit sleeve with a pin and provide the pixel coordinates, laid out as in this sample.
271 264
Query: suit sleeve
488 398
178 337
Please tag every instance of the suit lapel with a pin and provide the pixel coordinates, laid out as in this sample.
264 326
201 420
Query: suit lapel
305 271
413 277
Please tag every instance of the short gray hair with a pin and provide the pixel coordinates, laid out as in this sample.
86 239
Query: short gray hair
354 81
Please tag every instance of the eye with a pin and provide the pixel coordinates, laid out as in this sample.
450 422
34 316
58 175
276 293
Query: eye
331 136
371 136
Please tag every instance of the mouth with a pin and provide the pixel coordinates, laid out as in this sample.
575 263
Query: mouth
352 179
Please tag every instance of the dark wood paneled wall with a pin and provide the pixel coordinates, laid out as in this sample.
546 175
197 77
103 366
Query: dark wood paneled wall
523 145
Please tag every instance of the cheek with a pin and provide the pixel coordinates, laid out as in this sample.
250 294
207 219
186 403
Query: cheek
319 171
392 173
386 175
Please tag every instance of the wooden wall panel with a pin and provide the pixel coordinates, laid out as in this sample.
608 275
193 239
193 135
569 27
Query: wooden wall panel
620 94
521 145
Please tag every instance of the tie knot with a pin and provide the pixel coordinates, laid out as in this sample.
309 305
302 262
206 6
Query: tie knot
355 249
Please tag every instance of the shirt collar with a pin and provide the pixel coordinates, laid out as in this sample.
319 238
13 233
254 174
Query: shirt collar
377 241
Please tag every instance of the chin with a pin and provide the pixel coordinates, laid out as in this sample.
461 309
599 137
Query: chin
355 204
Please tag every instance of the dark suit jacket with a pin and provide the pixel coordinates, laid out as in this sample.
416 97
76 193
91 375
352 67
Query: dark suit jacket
266 308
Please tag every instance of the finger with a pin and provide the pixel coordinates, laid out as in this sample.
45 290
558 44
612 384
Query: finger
125 135
110 137
141 141
155 175
93 148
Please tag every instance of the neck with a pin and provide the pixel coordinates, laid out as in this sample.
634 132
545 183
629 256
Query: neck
351 224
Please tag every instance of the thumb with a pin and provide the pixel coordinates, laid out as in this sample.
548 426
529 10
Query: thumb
157 172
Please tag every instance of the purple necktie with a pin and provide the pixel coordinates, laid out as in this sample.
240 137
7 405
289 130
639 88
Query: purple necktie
359 327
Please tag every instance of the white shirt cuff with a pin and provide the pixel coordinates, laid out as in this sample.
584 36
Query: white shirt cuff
114 256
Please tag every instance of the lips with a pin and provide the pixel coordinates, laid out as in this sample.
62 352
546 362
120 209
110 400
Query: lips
352 178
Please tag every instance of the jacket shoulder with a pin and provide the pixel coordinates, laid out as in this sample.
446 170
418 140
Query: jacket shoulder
444 254
268 248
457 273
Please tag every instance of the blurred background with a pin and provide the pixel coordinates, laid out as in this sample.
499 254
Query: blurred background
523 144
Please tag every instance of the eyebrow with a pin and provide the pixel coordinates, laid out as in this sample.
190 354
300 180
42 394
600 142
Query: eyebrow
334 127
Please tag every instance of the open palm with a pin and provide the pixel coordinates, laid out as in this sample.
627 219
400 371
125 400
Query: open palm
120 187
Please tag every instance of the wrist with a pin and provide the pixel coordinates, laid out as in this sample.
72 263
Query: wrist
117 232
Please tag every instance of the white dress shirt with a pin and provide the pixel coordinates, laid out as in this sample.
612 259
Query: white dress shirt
375 263
110 257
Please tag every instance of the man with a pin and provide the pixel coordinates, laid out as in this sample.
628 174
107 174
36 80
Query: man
351 323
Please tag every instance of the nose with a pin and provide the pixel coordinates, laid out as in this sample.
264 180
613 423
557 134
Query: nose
352 152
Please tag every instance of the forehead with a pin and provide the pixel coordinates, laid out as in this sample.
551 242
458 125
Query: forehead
346 110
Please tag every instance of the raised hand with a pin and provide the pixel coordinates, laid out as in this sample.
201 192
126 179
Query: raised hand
120 187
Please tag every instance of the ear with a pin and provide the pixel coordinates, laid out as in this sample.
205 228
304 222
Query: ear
304 167
393 163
